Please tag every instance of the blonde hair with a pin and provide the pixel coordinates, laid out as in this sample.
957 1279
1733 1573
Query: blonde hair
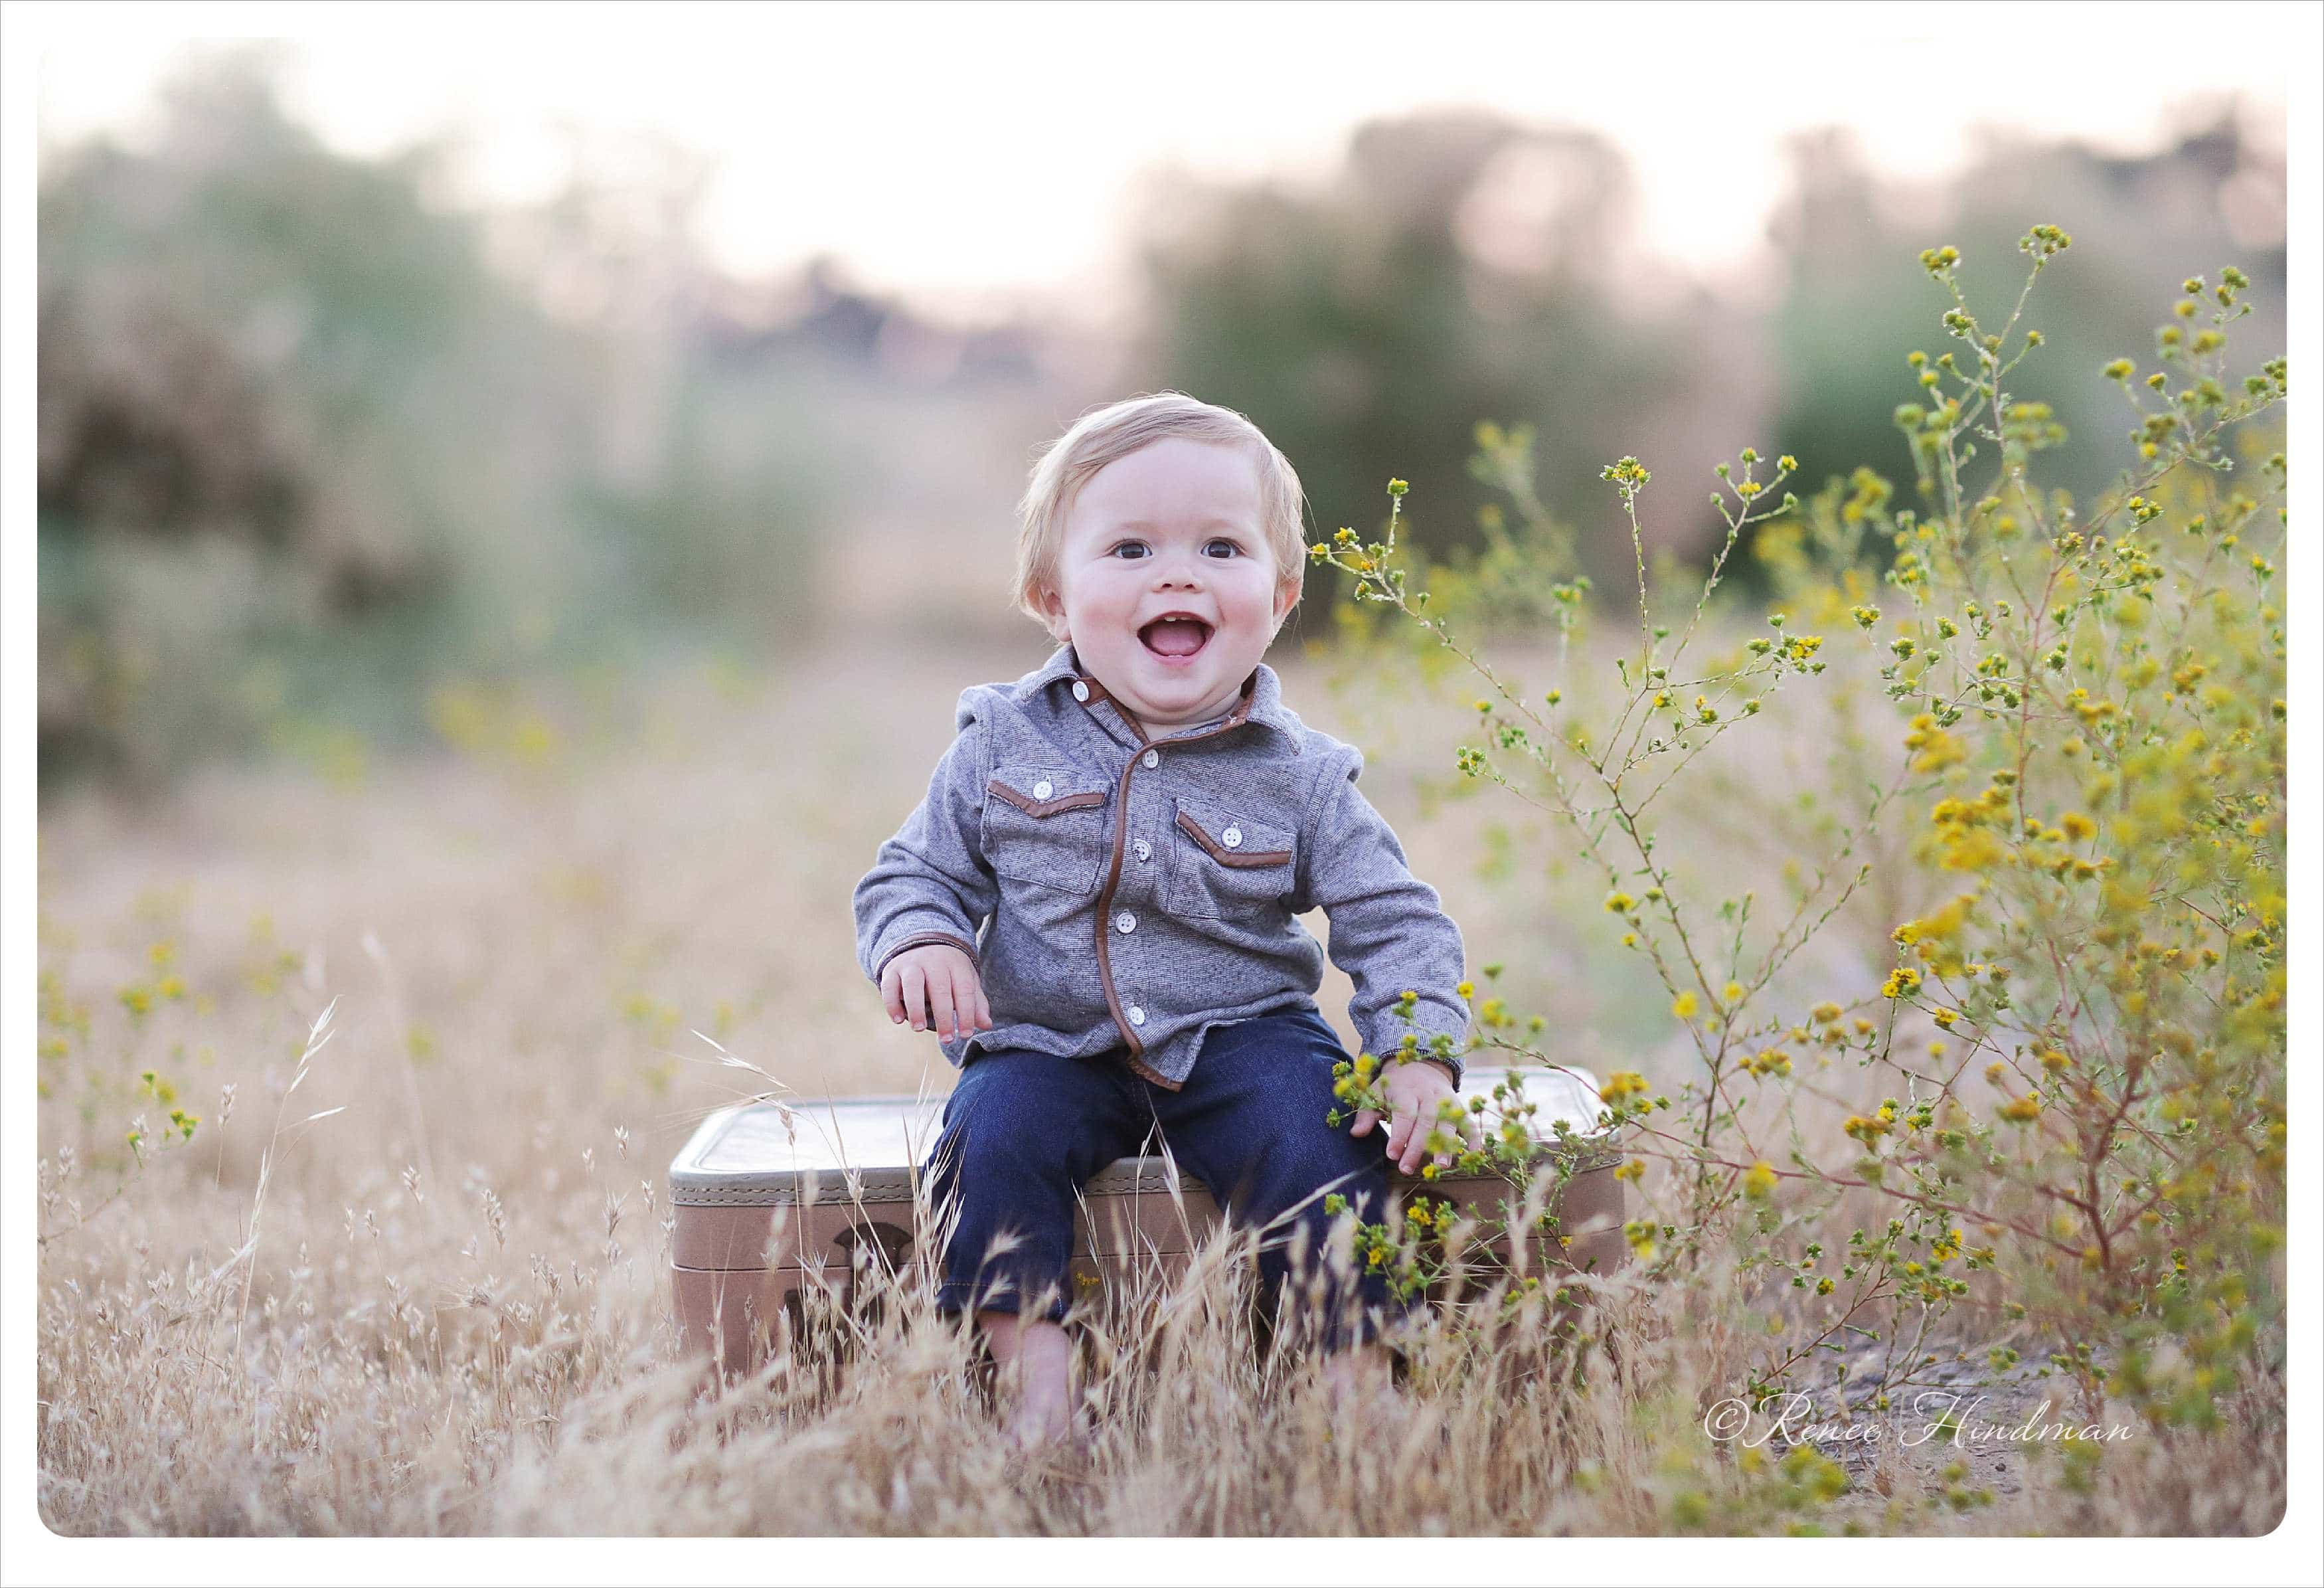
1117 430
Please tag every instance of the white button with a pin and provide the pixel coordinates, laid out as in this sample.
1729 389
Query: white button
1153 757
1041 789
1081 690
1145 850
1125 922
1137 1015
1232 837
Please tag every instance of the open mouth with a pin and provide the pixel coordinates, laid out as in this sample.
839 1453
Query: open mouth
1175 637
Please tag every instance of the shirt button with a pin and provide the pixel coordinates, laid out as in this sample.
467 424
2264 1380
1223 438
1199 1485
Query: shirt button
1137 1015
1125 922
1081 690
1232 837
1041 790
1153 759
1145 850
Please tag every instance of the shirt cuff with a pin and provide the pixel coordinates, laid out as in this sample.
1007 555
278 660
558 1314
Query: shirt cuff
907 938
1387 1035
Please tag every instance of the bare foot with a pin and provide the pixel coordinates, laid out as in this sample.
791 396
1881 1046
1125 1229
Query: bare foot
1043 1422
1036 1359
1360 1383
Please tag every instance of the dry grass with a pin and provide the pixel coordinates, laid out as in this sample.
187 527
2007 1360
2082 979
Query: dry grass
448 1310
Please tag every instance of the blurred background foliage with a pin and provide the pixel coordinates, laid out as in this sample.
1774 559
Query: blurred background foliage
1465 268
325 460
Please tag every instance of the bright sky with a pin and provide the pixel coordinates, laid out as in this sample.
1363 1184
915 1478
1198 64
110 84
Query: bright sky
975 156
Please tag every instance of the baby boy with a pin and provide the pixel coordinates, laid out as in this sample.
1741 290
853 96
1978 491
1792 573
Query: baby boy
1096 907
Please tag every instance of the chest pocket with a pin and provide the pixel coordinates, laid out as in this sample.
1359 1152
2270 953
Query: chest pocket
1044 825
1225 865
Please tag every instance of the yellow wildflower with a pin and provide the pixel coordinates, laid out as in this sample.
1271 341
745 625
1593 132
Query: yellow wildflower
1937 749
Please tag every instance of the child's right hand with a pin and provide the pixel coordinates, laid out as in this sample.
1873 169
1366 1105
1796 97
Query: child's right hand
935 985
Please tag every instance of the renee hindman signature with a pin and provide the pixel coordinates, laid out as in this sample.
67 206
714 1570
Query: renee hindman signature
1793 1419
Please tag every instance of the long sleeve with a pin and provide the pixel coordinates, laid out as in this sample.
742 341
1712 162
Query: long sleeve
1389 931
929 882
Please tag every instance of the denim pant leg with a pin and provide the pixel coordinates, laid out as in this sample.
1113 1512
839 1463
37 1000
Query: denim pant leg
1249 1120
1023 1133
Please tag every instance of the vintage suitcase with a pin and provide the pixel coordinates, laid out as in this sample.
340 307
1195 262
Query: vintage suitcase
769 1200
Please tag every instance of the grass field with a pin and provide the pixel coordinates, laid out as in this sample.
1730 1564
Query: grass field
441 1308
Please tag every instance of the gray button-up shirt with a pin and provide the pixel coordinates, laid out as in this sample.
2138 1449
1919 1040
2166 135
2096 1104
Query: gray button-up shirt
1121 890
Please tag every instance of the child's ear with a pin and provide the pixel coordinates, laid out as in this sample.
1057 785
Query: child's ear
1287 596
1053 607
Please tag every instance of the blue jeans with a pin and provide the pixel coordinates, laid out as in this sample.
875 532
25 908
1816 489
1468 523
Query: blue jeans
1024 1131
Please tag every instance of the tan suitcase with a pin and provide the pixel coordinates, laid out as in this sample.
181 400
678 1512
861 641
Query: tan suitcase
771 1200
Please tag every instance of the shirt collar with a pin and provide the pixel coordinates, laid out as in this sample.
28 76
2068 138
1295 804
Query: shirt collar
1261 702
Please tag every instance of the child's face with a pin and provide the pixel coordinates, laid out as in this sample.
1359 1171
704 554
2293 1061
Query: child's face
1166 586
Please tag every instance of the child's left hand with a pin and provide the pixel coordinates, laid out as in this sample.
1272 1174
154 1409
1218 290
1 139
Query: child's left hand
1413 1090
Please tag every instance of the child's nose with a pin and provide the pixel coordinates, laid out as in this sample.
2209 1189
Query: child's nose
1179 572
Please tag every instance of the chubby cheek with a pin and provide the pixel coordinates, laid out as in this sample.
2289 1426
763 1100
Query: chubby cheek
1117 603
1250 609
1106 612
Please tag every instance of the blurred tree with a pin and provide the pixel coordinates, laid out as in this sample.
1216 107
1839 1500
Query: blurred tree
1856 303
311 440
1461 267
279 394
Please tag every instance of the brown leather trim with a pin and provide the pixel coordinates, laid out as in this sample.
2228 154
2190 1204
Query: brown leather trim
1226 856
1104 907
921 940
1153 1076
1241 713
1032 806
1114 867
1097 693
1234 719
